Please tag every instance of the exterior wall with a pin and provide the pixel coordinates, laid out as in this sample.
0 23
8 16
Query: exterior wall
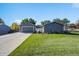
40 29
27 28
53 27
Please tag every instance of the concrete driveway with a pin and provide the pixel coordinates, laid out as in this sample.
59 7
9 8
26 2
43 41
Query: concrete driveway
10 42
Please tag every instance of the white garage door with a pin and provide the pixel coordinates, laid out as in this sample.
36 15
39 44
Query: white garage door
27 29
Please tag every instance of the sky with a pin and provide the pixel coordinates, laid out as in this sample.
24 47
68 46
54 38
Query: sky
15 12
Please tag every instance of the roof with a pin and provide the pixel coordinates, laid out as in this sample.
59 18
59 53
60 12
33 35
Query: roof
39 26
4 28
54 23
27 24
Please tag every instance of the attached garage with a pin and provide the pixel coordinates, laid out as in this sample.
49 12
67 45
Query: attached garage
27 28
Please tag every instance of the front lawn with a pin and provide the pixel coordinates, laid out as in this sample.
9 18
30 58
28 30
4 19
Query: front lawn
48 45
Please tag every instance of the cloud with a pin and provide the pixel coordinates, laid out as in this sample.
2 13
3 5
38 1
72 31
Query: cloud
18 21
76 5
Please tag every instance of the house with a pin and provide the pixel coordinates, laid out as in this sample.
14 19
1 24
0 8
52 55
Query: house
73 27
39 29
53 27
77 26
4 29
27 27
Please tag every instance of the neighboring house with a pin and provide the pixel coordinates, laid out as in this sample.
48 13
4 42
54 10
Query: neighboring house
27 27
77 26
39 29
4 29
73 27
53 27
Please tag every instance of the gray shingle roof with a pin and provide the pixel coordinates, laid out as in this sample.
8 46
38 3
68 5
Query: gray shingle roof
4 29
27 24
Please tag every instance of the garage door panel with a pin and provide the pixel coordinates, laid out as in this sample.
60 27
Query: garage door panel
27 29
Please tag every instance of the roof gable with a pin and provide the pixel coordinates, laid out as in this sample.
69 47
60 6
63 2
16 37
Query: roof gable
27 24
4 28
54 23
39 26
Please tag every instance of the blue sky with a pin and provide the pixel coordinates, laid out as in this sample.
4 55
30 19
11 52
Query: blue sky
39 11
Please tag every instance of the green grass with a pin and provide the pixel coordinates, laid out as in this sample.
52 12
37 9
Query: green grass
48 45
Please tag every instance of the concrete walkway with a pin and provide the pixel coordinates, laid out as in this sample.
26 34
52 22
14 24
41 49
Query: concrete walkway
10 42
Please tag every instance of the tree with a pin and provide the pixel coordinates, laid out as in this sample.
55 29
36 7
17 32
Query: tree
25 20
65 21
30 20
45 22
42 22
15 27
57 20
1 21
72 26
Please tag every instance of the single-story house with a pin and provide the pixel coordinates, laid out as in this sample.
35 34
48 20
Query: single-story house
53 27
27 27
4 29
